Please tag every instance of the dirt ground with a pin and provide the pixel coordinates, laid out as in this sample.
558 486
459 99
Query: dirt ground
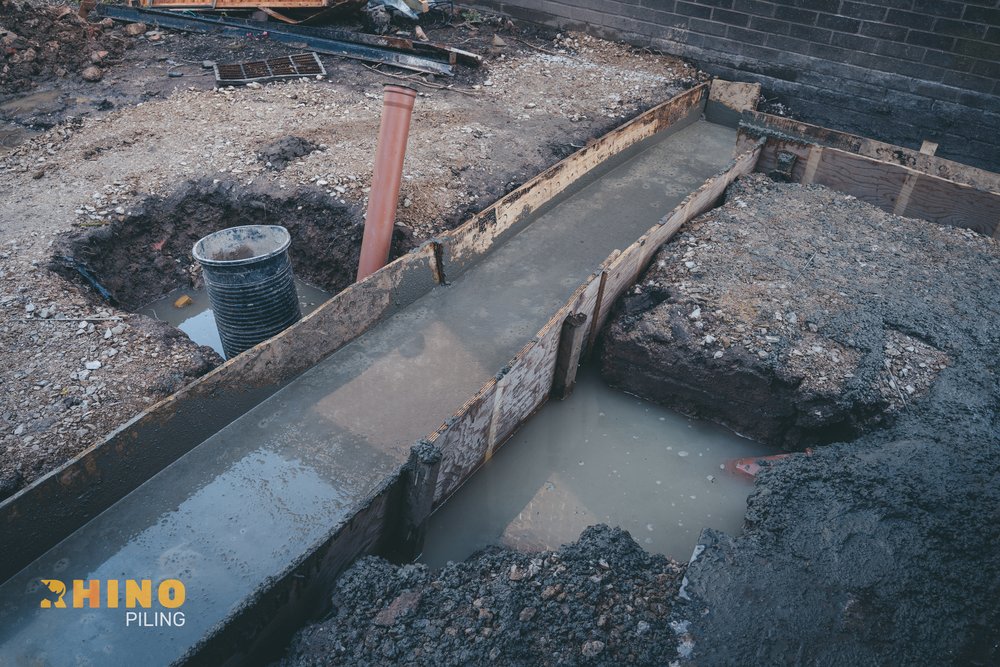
800 315
601 600
120 175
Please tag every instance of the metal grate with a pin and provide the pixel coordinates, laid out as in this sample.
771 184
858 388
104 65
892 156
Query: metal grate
285 67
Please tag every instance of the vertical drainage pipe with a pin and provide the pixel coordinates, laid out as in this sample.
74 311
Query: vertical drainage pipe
250 285
397 109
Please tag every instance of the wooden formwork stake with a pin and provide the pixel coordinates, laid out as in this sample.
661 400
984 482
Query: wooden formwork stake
903 200
592 336
418 499
571 342
438 265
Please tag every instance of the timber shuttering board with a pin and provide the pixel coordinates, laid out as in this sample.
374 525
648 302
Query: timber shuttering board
485 422
42 514
464 245
898 180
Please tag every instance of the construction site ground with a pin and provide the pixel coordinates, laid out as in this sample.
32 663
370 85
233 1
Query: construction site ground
124 173
807 318
796 314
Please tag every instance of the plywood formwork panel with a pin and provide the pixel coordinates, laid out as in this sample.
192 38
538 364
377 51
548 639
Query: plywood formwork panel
898 189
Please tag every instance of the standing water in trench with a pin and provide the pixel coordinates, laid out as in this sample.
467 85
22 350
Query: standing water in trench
600 456
197 320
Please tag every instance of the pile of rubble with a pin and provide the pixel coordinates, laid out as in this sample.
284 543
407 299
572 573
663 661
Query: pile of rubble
38 42
795 315
601 600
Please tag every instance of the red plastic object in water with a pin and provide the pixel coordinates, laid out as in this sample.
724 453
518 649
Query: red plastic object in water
751 465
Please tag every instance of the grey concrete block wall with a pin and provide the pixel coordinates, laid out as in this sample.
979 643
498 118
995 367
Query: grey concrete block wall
896 70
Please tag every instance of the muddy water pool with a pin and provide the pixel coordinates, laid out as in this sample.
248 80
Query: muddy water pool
600 456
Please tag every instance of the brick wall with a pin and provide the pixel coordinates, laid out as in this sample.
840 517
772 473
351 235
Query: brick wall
896 70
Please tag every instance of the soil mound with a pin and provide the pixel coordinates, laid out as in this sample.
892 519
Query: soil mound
38 42
601 600
799 315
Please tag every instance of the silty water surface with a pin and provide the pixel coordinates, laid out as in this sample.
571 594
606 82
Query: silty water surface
198 322
600 456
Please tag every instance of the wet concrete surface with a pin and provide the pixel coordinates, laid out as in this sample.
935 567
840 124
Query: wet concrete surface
243 505
600 456
197 320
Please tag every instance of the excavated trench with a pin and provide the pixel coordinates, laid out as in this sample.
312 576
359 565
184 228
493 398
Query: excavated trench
599 456
843 553
252 497
147 254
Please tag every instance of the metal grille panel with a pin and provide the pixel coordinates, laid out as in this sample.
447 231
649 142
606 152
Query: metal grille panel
285 67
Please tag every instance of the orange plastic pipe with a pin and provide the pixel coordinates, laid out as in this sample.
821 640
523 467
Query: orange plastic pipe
397 108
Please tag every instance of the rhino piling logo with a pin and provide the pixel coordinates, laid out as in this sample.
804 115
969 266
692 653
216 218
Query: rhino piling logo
137 599
59 589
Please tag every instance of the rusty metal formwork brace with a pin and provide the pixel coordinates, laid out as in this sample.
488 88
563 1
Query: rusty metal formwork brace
285 67
427 49
203 24
334 6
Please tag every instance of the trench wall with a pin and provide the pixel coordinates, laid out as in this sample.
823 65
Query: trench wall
897 70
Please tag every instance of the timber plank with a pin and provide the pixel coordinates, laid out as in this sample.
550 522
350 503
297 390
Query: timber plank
869 180
626 268
760 124
953 204
892 187
486 421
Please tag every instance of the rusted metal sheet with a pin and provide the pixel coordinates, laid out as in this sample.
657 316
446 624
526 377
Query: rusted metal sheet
237 28
285 67
434 50
337 6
